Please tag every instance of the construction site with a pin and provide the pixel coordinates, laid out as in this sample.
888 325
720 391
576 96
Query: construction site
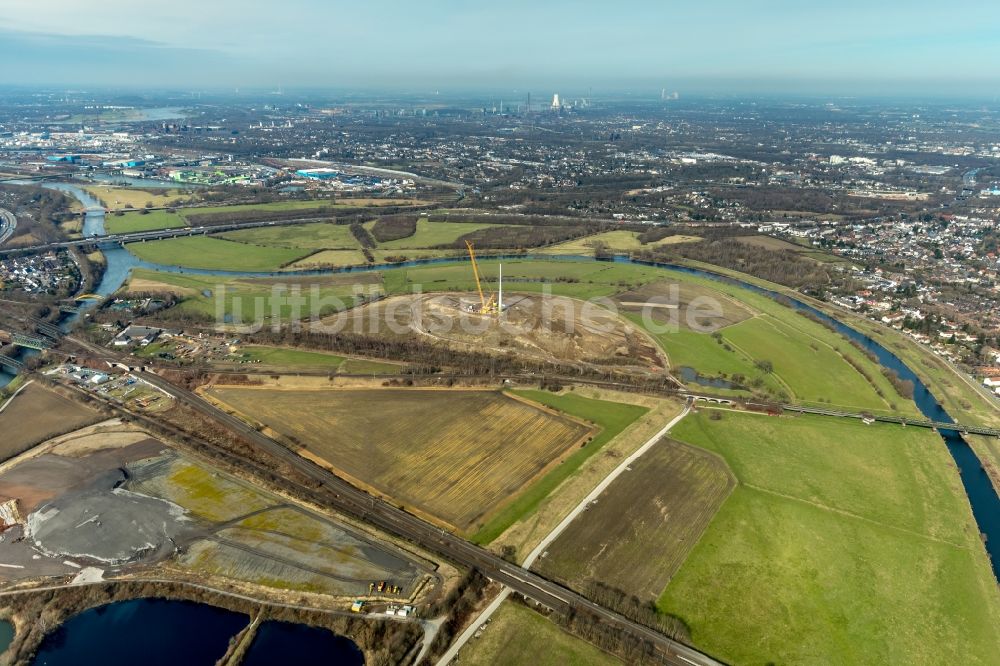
537 326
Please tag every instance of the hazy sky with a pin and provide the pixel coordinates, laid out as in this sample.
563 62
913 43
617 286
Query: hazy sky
691 45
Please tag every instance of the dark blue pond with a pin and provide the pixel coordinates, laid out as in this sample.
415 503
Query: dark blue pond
689 375
6 635
287 643
151 632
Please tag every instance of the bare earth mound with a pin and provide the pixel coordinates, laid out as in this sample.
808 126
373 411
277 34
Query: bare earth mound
546 328
454 455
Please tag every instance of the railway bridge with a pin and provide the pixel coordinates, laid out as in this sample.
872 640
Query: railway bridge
901 420
30 341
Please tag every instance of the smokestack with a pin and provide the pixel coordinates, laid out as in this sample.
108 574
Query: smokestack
500 304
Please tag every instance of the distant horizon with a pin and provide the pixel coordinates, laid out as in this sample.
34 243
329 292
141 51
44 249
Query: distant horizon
897 47
511 97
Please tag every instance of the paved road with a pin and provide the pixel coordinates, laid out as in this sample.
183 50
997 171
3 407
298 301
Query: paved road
8 223
352 501
159 234
556 532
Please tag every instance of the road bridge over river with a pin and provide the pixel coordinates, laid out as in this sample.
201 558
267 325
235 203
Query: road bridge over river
8 223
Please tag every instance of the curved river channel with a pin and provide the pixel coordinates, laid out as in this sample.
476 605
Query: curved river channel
982 496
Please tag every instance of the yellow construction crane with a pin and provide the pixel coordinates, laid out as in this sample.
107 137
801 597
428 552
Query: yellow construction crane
487 306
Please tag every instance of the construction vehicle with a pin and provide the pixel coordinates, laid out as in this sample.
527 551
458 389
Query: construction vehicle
487 306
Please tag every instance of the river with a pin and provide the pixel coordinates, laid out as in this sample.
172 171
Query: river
982 496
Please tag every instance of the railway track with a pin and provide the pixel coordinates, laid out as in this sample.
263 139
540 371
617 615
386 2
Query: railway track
383 515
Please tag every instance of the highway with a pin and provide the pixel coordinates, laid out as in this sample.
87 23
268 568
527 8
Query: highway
381 514
8 223
159 234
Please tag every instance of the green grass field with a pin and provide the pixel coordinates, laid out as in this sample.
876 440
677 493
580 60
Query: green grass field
580 279
619 240
303 358
243 300
327 258
316 236
280 356
849 543
809 359
215 254
151 221
686 348
611 417
430 234
518 635
812 368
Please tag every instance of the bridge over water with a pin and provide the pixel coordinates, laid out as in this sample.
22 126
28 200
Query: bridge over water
861 416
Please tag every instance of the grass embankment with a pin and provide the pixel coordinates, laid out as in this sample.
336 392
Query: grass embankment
616 241
811 363
133 222
315 236
132 197
210 253
431 234
245 300
848 543
611 417
518 635
283 357
577 279
956 391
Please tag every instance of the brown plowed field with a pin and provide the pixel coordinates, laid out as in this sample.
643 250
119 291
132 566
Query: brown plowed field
454 455
38 414
641 529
